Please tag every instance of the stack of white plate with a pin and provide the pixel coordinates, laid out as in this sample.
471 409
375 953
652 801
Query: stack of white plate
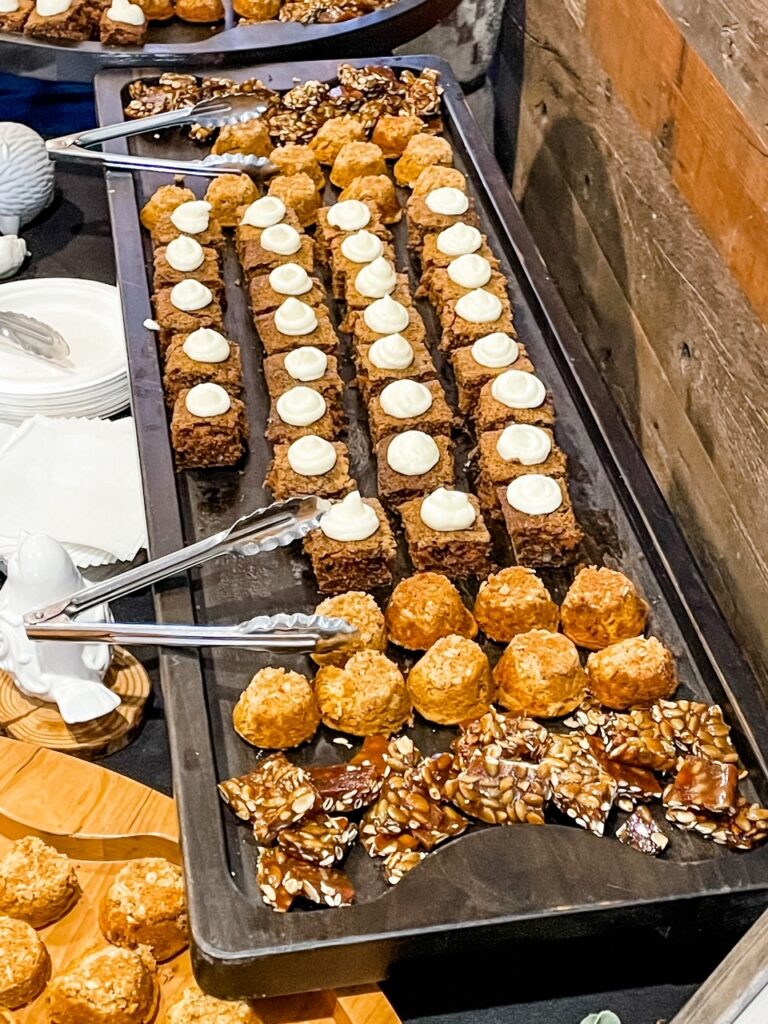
88 316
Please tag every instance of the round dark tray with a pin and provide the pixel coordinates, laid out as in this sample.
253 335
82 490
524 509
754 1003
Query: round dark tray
179 44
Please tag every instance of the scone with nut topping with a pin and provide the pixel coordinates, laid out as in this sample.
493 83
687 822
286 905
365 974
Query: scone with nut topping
452 681
278 710
37 883
146 906
601 608
106 986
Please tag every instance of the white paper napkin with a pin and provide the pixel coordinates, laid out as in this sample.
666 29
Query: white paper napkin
77 480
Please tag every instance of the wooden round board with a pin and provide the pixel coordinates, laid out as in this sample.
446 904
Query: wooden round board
94 801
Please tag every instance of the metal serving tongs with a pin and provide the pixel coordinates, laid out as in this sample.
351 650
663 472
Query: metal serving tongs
210 113
263 530
33 337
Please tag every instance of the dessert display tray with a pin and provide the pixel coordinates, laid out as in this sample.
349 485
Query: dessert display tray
490 884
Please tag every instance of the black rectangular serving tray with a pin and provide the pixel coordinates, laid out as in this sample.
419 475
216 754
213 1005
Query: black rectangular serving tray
490 884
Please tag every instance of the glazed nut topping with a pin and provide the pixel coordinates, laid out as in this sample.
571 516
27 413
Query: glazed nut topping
580 787
282 878
345 787
636 738
703 786
519 738
322 840
275 795
744 829
500 791
697 729
642 833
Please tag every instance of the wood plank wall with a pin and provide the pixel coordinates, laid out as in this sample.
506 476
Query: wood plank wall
641 163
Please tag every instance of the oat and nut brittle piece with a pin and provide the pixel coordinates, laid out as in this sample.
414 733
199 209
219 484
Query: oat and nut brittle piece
423 92
170 92
641 832
400 755
321 839
589 717
402 807
697 729
635 785
499 790
372 753
273 796
636 738
702 785
399 862
743 829
282 878
581 788
345 787
520 739
432 773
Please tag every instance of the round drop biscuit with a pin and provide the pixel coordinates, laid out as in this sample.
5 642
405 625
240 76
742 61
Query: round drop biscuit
368 696
37 883
601 608
359 610
632 672
540 674
512 601
451 682
24 964
424 608
106 986
278 710
146 906
194 1007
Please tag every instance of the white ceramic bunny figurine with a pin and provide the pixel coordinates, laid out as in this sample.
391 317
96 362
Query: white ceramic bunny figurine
26 176
67 674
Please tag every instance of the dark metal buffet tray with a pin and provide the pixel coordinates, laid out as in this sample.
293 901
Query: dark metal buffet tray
490 884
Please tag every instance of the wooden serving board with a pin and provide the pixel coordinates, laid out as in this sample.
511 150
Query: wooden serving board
59 793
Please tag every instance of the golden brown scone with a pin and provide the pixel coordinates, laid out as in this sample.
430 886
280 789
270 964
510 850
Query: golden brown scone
452 681
422 151
164 201
512 601
200 10
146 906
105 986
157 10
333 134
227 194
378 189
366 697
25 966
393 132
296 159
299 194
424 608
194 1007
359 610
356 160
258 10
635 671
540 674
602 607
438 176
277 710
37 883
249 137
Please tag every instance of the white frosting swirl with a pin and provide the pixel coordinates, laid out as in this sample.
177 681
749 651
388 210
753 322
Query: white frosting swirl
290 279
9 7
412 453
470 271
190 295
126 12
306 363
518 390
445 510
300 406
282 239
311 456
208 400
447 200
495 350
350 519
47 8
192 217
206 346
405 399
524 443
295 318
377 279
264 212
459 239
349 215
535 494
386 316
479 307
362 247
183 253
392 352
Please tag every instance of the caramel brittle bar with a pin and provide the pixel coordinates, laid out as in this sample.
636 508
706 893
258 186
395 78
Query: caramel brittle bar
697 729
499 790
636 738
743 829
275 795
321 839
345 787
702 785
281 878
520 739
641 832
580 787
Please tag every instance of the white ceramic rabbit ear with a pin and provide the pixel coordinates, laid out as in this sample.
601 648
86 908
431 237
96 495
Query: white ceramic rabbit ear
13 252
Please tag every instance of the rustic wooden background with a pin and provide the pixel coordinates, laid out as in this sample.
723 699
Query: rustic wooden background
640 158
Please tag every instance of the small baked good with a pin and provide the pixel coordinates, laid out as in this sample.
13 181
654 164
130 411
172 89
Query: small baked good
13 21
452 682
194 1007
360 610
445 531
540 674
162 10
198 223
353 251
248 137
301 411
632 672
26 964
413 464
261 250
506 454
409 405
373 281
473 316
378 189
74 24
514 600
106 986
296 324
295 159
438 176
37 883
393 132
277 710
227 194
304 365
346 218
200 11
602 607
490 356
354 548
390 358
299 193
355 160
539 518
460 239
384 317
183 258
269 291
513 397
257 10
123 23
204 355
367 697
310 465
422 151
437 211
208 427
462 275
263 213
424 608
333 135
146 906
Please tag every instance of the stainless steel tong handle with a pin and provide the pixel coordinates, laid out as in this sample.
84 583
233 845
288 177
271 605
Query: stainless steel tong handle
262 530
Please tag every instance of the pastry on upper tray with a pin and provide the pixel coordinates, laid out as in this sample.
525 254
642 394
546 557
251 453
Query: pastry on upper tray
422 151
260 250
352 251
539 518
378 189
425 607
354 548
254 11
445 531
436 211
251 138
460 239
184 308
514 600
602 607
299 193
632 672
384 317
360 610
355 160
413 464
302 410
373 281
439 176
70 20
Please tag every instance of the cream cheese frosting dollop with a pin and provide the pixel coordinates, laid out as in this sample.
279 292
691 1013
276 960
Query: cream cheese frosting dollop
300 406
518 390
183 253
405 399
9 7
48 8
192 217
126 12
446 510
362 247
264 212
349 215
206 346
207 400
459 240
412 453
290 279
535 494
470 271
392 352
295 318
282 239
377 279
386 316
524 443
447 200
479 307
190 295
311 455
350 519
495 350
306 363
